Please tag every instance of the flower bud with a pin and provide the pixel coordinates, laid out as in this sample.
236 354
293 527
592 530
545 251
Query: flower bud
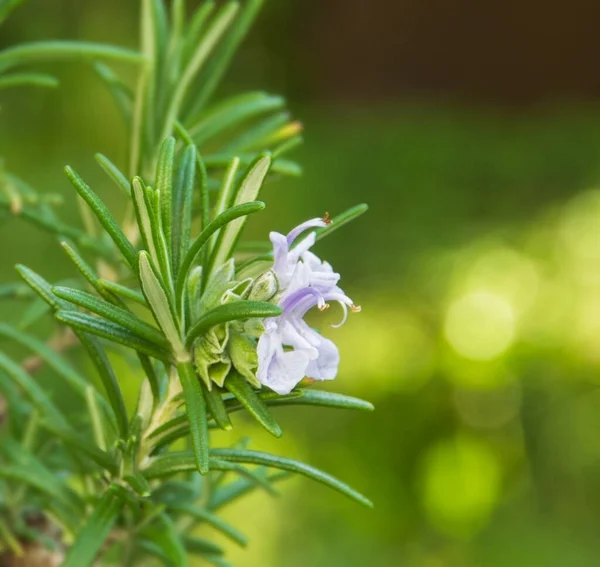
242 351
264 287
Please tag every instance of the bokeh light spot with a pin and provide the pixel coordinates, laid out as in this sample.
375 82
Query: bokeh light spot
480 325
461 485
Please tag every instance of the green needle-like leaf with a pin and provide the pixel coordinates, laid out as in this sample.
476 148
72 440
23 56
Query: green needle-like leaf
217 408
54 50
109 380
111 331
246 395
241 486
203 515
230 215
124 292
164 184
258 458
88 273
200 546
158 300
28 79
54 360
117 315
183 197
184 461
99 525
234 311
203 49
197 414
340 220
232 113
247 192
305 397
41 477
220 60
168 539
38 397
103 215
114 173
83 445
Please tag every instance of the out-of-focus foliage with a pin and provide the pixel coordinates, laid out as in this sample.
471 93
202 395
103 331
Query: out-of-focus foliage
479 339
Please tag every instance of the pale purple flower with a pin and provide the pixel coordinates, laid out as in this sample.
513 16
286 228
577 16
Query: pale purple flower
289 349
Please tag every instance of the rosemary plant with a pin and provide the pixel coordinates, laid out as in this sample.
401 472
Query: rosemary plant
212 330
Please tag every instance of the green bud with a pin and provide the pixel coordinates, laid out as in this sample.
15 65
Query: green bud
239 292
242 351
264 287
220 281
211 364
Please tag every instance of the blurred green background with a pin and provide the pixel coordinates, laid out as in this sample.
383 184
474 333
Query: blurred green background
474 135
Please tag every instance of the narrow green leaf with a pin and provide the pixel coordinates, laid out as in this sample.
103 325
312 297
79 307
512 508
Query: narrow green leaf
115 314
279 165
82 445
246 395
38 397
101 435
114 173
124 292
54 360
197 414
55 226
247 192
200 546
40 477
285 147
213 34
217 409
28 79
196 26
103 215
222 56
231 113
7 6
183 196
139 484
121 93
109 380
204 515
230 215
265 459
168 539
111 331
234 311
153 379
305 397
161 306
263 135
26 476
145 218
41 287
88 273
241 486
225 194
53 50
340 220
164 184
99 525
